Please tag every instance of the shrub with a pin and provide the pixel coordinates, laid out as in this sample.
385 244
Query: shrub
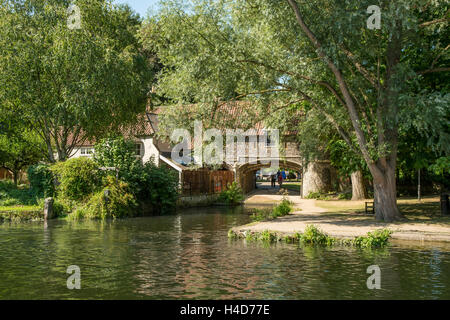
10 194
377 238
120 203
319 196
262 215
313 235
120 153
345 196
78 178
282 209
41 180
62 207
232 195
159 187
313 195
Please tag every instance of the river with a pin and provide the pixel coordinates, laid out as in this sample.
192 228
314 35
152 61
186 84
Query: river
188 256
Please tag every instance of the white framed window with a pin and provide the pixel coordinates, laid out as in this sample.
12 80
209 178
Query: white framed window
87 152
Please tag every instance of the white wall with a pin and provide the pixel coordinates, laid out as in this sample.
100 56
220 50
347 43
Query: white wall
148 149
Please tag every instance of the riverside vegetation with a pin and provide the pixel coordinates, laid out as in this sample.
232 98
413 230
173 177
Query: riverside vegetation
284 208
314 236
84 189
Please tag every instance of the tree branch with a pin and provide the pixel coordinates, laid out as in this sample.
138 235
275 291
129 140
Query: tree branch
341 81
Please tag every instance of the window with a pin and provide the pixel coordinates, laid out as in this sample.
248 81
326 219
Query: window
268 141
138 150
87 152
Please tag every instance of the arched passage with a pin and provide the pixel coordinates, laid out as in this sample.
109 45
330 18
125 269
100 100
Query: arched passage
245 174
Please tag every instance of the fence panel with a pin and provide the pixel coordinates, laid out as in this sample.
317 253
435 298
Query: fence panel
201 182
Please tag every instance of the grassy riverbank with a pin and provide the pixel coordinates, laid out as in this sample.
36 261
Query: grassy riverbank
21 213
342 219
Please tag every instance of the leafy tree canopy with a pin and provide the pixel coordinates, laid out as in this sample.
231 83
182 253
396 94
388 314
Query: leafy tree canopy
71 84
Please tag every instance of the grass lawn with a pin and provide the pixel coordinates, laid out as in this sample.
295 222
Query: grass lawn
427 210
20 213
293 186
19 208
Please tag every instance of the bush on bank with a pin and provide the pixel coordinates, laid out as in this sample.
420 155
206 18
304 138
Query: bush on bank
12 195
155 186
82 185
77 178
114 201
284 208
41 180
233 194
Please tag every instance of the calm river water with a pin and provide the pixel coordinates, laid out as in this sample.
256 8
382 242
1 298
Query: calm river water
188 256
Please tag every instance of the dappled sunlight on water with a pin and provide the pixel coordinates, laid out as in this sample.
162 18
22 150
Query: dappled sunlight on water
188 255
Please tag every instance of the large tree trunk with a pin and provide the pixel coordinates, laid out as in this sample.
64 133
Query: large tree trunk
359 191
385 196
316 178
15 177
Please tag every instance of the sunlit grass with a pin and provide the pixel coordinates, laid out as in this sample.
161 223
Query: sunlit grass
426 210
19 208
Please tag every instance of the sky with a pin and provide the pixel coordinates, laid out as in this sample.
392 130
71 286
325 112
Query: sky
140 6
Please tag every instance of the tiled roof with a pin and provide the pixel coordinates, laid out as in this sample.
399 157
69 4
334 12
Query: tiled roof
234 114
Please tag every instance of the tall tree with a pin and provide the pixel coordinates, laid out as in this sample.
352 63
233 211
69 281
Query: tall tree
72 74
321 52
20 149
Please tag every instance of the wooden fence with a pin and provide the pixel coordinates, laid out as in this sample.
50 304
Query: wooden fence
202 182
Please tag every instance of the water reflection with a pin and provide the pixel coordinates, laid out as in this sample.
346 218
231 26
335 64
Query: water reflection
188 255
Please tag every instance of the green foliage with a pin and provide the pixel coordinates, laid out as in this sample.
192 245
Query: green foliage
232 195
11 194
303 67
62 207
159 187
41 180
21 213
19 147
119 153
262 215
345 196
268 236
120 203
232 234
318 196
284 208
66 82
441 166
377 238
78 178
313 235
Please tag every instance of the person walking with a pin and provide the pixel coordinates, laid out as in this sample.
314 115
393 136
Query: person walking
280 178
272 180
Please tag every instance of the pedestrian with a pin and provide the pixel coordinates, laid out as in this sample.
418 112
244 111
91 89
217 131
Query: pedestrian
280 180
272 180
